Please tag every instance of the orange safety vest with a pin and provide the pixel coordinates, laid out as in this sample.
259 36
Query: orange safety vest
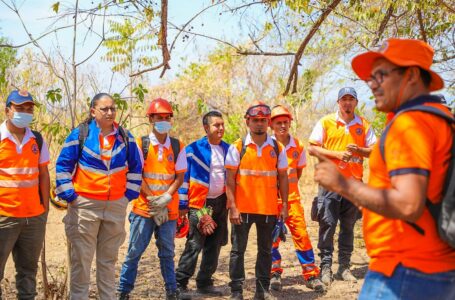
19 180
293 155
158 175
336 138
109 185
256 190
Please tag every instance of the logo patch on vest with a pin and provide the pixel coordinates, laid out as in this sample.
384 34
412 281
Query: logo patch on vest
170 157
295 154
359 131
272 153
35 148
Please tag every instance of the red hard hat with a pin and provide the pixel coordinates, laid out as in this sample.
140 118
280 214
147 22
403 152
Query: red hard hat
258 109
280 110
160 106
183 227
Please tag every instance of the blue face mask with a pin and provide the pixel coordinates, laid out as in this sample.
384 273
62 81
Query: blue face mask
21 120
163 127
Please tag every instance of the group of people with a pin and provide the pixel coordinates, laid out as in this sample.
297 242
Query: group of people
196 188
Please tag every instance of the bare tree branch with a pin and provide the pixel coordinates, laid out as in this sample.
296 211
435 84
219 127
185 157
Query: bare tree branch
421 26
298 55
262 53
383 24
450 8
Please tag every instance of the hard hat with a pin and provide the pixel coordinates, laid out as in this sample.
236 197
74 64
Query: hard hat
280 110
160 106
57 202
183 227
258 109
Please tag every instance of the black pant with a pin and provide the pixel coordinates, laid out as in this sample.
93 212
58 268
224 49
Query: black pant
209 245
239 240
331 208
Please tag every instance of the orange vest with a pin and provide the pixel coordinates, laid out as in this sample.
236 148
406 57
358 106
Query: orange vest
19 180
293 155
110 186
336 138
417 142
256 190
158 175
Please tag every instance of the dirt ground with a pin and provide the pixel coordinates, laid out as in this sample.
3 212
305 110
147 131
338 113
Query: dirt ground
149 283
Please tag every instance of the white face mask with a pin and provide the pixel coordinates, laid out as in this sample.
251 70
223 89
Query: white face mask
162 127
21 120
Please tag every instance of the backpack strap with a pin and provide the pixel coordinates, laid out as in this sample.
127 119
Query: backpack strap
83 133
39 139
243 151
175 145
434 209
126 139
275 146
145 146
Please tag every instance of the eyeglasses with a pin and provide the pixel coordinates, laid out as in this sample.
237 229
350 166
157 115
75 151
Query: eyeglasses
258 110
378 76
105 110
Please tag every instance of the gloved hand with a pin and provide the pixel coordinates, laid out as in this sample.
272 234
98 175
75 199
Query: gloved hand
206 225
159 201
161 216
279 231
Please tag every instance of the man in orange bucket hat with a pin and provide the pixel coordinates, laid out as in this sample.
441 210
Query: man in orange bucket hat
410 256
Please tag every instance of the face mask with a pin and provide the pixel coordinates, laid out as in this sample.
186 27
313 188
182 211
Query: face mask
21 120
163 127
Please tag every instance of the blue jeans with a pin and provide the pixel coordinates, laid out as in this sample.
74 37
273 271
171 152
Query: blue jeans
141 231
407 283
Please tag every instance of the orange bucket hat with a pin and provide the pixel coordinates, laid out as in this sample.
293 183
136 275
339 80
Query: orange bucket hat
402 52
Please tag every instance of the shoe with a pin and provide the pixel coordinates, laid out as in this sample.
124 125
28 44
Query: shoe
326 275
315 284
266 295
275 282
124 296
236 295
345 274
209 290
172 296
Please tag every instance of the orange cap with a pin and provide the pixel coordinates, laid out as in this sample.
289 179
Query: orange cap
280 110
402 52
160 106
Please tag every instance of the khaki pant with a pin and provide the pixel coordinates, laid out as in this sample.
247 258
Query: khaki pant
23 237
94 225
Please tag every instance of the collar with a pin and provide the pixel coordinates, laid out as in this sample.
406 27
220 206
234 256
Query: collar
418 101
356 119
154 141
4 132
114 132
291 143
249 140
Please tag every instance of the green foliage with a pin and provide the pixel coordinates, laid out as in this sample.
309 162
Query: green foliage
55 7
140 92
57 130
233 127
378 122
54 95
7 60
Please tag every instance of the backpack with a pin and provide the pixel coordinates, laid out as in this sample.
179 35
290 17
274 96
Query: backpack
444 211
83 133
175 145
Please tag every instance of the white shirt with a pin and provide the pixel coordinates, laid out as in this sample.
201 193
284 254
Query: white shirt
318 133
217 172
44 152
180 163
233 155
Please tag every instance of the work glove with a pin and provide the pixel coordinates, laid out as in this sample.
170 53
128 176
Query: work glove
161 216
206 224
157 203
279 231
